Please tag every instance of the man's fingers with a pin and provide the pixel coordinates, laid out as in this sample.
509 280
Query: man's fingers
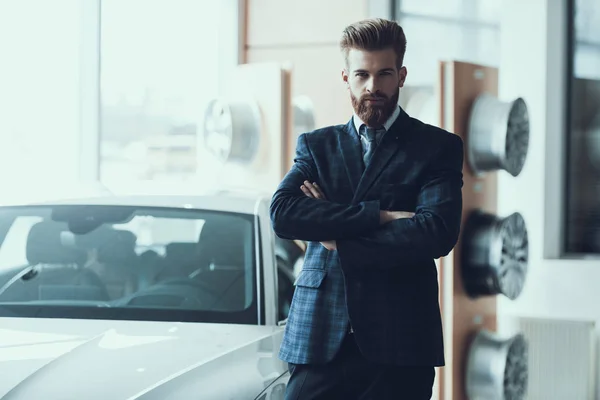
388 216
306 191
318 189
314 191
330 245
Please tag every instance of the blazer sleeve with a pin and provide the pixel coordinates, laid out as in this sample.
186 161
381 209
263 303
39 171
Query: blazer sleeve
431 233
296 216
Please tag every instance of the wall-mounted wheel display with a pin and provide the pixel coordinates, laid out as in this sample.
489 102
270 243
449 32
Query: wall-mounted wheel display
495 255
498 135
497 368
304 115
232 129
420 102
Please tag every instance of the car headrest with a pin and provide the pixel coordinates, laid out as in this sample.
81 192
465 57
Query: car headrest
225 241
45 245
177 253
118 246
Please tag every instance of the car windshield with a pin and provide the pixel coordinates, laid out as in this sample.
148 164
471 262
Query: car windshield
117 262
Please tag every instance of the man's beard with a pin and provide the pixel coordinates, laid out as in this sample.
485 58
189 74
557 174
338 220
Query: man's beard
374 115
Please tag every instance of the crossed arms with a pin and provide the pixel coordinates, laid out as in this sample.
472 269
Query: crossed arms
364 230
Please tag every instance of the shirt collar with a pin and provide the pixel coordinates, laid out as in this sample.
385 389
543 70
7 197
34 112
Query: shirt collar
386 125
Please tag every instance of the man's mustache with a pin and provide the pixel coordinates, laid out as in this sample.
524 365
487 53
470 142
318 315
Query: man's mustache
370 97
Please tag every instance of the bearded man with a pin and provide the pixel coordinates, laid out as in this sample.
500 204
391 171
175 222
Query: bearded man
378 199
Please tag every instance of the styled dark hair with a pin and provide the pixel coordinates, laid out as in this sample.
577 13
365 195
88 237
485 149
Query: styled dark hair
374 34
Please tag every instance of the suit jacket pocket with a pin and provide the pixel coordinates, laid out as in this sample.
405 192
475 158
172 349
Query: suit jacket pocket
399 197
312 278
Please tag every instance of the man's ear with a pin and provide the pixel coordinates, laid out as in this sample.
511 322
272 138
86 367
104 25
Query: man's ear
345 76
402 74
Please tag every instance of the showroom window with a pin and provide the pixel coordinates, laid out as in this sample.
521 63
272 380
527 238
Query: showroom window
161 62
40 45
441 30
582 234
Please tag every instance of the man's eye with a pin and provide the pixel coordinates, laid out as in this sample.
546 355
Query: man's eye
361 74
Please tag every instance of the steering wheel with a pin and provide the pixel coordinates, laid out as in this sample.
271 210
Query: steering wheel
196 283
194 293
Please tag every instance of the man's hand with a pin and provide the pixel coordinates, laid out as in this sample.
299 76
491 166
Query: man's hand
386 216
313 191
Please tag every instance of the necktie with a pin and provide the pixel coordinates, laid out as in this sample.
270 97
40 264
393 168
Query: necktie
370 135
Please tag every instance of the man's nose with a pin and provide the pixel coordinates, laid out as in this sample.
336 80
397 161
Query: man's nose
372 85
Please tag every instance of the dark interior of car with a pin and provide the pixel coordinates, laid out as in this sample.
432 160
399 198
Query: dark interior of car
103 266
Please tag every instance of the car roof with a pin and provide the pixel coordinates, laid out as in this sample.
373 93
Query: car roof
239 202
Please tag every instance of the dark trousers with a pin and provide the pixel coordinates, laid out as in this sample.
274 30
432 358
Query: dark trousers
349 376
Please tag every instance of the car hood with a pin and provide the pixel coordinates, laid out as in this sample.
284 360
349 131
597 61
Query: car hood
98 359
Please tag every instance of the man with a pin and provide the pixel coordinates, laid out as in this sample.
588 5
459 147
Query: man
378 199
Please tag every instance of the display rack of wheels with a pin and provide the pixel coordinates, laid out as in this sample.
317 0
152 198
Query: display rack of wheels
490 258
495 250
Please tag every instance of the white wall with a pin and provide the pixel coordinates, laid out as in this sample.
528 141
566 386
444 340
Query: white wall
531 67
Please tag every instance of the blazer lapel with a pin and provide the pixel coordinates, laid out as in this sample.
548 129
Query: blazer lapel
387 148
350 147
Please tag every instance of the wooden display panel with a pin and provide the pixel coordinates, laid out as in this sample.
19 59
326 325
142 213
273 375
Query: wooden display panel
269 86
321 81
460 84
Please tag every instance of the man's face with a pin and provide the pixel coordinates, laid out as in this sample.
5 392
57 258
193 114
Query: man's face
374 82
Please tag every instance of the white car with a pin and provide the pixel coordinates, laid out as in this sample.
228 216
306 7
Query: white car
142 297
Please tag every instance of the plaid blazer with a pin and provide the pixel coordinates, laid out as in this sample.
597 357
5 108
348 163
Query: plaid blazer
382 279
